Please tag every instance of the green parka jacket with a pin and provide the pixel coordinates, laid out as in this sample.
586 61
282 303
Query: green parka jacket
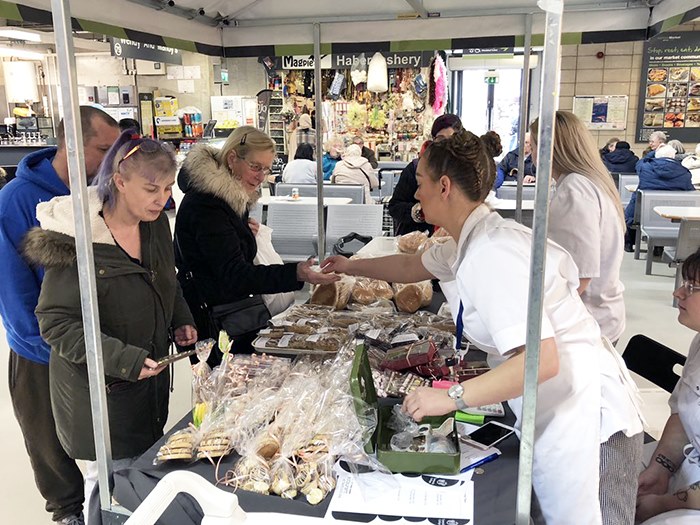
138 304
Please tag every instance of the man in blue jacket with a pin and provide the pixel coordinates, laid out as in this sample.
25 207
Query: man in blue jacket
40 177
658 172
507 169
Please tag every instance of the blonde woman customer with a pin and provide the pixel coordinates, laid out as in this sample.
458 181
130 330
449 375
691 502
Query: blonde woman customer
215 237
586 218
355 169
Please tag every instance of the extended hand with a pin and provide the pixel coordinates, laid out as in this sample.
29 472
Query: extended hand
336 264
306 274
150 369
185 335
527 179
425 401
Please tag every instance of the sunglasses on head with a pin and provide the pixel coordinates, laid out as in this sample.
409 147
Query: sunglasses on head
147 146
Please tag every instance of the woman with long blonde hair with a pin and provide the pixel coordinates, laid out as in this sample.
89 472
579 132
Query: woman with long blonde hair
586 218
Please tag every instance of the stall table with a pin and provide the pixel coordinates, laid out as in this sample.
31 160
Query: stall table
494 489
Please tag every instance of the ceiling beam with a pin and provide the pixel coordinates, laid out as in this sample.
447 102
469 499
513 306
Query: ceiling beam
417 6
524 10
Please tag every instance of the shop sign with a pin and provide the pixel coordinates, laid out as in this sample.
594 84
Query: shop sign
123 48
669 93
472 51
402 59
305 62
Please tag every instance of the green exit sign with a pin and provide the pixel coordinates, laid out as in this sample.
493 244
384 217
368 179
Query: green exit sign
491 80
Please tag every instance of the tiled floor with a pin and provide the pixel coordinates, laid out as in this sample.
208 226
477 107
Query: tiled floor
649 311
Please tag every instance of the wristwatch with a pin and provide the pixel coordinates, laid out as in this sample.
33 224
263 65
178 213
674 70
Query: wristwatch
456 392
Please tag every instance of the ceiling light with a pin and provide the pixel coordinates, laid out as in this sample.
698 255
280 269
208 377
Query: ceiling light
18 34
20 53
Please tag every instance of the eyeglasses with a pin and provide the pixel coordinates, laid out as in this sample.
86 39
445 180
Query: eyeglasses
147 146
257 167
689 287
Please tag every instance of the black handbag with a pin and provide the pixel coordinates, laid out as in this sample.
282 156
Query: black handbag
235 318
349 244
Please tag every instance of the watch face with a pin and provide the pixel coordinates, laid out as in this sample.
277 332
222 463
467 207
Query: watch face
455 391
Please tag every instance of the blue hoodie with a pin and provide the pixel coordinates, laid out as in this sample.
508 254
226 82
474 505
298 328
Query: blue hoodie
659 174
36 181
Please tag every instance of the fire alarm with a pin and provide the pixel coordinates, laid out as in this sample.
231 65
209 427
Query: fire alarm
600 54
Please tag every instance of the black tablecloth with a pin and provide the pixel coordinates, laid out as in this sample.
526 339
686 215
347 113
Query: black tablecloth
494 490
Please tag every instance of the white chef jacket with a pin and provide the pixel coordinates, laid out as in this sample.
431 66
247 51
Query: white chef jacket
685 401
488 270
583 220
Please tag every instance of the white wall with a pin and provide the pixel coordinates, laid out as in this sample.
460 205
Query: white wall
246 77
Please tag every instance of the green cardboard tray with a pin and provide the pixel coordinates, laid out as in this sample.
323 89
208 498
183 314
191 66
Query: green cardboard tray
362 388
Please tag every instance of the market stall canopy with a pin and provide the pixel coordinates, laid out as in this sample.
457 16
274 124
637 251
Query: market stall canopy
266 27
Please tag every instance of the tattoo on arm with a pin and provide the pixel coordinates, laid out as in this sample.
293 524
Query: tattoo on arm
665 463
682 495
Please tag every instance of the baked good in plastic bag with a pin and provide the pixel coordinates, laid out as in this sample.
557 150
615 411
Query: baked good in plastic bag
410 242
335 294
367 291
180 445
411 297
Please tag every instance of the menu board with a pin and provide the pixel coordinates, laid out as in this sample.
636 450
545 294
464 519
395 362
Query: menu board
669 95
602 112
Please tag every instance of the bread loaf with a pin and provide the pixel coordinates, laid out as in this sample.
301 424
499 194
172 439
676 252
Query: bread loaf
411 297
410 242
336 294
368 291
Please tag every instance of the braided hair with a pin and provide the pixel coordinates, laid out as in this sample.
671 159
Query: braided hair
466 160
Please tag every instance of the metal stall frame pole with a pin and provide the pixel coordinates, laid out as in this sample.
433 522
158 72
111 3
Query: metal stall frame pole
547 115
83 243
319 133
524 114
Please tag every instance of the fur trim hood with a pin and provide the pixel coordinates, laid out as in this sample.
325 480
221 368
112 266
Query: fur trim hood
202 172
53 244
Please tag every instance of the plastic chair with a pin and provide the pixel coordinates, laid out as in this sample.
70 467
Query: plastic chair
365 219
653 361
294 226
688 243
626 179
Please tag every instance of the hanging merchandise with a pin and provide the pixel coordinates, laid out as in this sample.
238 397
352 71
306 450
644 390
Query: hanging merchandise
357 115
309 84
377 118
438 86
358 73
337 86
377 75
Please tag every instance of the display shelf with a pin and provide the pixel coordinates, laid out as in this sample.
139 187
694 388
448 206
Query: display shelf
276 124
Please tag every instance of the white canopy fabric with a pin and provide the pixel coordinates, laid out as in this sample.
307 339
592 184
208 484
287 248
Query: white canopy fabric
272 23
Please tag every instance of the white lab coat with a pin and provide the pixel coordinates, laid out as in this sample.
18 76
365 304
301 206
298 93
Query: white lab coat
586 402
685 401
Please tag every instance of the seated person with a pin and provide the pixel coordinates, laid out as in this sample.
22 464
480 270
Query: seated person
404 208
508 167
669 487
302 170
658 172
656 139
366 152
692 161
334 149
355 169
621 159
610 146
680 149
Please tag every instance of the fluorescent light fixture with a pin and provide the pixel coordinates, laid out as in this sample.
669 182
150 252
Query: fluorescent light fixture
18 34
20 53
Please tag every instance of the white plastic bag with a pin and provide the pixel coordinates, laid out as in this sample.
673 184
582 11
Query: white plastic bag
278 302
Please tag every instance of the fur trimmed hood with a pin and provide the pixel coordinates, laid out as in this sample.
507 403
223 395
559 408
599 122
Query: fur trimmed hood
53 244
202 172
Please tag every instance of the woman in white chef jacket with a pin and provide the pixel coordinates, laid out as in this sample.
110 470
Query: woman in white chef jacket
669 488
582 397
587 220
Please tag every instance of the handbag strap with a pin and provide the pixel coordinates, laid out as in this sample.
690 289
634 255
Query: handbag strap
366 176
